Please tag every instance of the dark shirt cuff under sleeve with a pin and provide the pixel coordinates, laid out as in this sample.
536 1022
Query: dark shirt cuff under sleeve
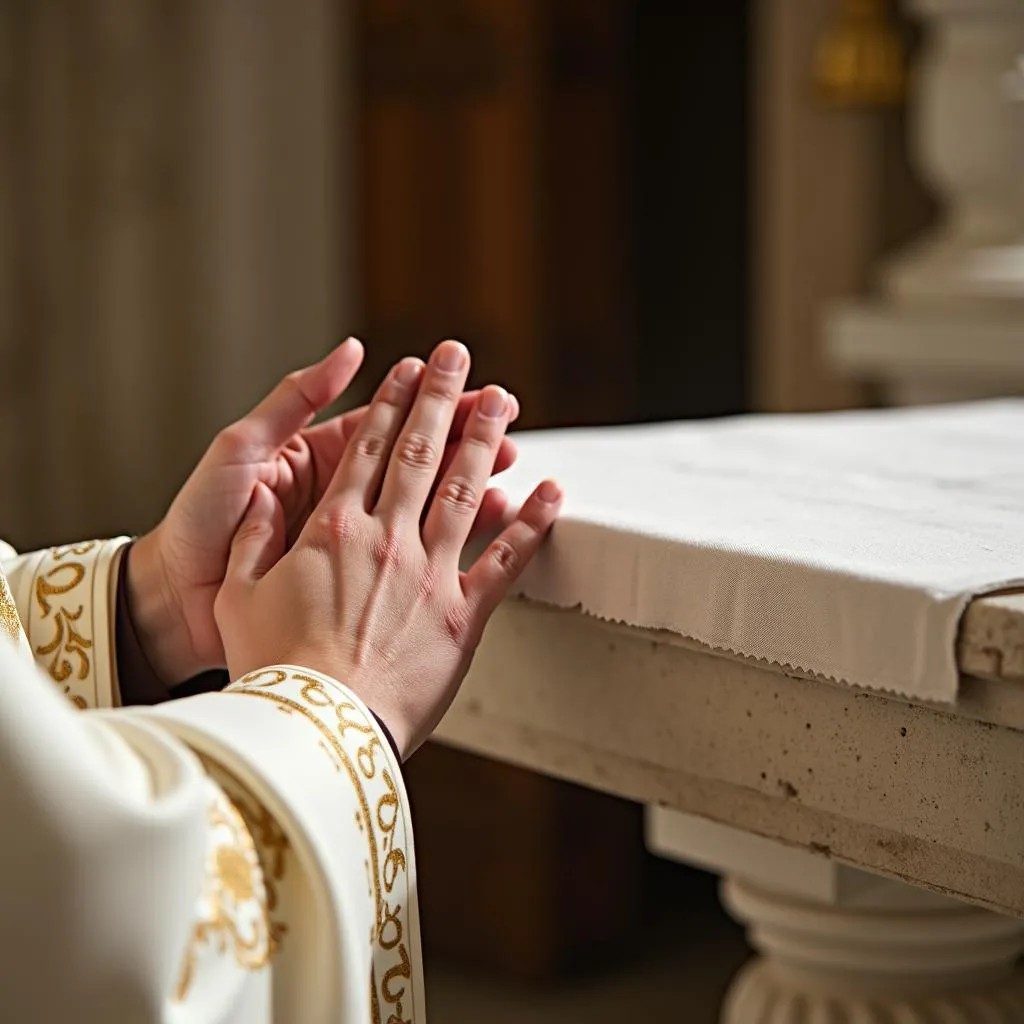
387 732
138 683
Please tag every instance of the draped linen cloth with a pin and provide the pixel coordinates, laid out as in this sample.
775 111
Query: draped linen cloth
841 545
243 857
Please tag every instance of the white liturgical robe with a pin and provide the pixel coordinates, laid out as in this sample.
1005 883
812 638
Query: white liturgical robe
242 857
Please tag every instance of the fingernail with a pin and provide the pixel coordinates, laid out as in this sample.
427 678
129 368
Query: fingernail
407 372
450 356
549 492
493 402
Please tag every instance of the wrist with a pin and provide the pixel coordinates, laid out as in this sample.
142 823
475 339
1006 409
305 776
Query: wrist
156 613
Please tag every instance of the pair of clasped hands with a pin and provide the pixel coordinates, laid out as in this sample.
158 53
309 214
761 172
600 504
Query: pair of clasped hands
336 546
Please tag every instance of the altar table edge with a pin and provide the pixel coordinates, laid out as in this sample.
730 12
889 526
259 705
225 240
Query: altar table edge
929 795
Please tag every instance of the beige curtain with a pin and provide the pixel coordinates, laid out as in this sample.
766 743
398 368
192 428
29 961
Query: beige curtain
171 238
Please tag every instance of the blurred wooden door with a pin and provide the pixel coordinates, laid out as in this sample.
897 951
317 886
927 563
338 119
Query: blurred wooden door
492 207
492 200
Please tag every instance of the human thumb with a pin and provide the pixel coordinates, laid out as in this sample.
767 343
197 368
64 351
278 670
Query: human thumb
259 540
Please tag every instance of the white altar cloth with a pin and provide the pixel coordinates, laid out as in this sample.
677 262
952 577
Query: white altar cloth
844 545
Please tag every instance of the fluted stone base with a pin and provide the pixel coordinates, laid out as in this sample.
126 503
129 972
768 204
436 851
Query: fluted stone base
928 961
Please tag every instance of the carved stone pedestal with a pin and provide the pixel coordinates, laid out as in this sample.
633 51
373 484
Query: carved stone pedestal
967 134
948 321
927 960
835 945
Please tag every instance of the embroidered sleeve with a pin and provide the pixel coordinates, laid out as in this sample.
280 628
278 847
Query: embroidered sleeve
295 747
64 597
244 855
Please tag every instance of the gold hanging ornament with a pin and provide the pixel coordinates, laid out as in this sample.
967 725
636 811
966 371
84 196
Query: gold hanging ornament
860 60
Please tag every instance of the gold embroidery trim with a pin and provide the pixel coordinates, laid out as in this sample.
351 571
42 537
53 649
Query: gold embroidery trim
234 879
9 620
272 847
389 932
67 643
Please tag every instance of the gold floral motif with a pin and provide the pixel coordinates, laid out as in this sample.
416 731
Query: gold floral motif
233 880
387 859
67 642
272 846
235 873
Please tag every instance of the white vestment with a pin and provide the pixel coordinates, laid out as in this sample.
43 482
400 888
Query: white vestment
242 857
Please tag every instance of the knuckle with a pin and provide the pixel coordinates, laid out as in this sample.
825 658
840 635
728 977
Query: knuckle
252 529
443 386
459 496
393 394
428 582
536 516
457 622
233 438
337 525
388 552
417 451
369 445
292 384
506 557
481 442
